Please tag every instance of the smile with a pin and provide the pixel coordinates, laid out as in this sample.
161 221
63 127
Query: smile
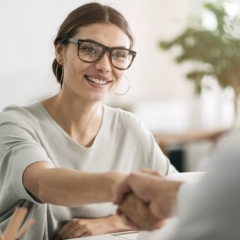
97 81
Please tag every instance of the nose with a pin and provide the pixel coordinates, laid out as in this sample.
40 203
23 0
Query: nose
104 63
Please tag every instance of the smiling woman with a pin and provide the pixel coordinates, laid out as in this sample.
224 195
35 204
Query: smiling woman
63 157
77 61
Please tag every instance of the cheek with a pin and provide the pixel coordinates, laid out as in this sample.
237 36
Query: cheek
118 76
75 68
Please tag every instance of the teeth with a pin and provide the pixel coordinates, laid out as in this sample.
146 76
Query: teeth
97 81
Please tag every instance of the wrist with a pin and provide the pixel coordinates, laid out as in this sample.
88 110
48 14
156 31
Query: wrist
113 180
118 225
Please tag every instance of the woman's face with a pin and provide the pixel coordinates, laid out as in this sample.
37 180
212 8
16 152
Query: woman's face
91 81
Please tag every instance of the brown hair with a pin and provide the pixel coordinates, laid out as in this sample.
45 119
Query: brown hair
84 15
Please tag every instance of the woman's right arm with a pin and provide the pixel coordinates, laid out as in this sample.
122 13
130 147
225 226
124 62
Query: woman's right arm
69 187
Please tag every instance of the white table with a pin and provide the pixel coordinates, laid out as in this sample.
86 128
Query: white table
115 236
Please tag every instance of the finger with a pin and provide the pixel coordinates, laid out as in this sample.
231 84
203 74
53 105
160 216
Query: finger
80 232
64 228
68 229
125 219
128 222
127 186
138 214
128 210
85 235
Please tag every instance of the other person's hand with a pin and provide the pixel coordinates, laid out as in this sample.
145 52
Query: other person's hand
153 189
138 215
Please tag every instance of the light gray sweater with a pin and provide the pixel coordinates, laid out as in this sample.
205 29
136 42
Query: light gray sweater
29 134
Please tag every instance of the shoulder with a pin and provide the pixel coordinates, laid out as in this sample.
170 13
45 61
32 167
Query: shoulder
19 114
124 122
121 115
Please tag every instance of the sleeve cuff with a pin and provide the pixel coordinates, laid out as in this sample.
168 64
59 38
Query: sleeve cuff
20 160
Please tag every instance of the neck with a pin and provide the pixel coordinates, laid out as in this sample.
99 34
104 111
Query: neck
80 121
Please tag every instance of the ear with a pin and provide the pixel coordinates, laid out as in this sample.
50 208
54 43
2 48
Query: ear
59 53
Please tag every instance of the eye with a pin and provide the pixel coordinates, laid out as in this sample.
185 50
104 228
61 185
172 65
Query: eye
120 54
87 50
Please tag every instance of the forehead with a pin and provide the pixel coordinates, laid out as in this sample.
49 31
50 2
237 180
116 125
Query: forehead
105 33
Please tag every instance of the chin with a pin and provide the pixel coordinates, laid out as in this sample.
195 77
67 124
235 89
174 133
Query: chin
98 98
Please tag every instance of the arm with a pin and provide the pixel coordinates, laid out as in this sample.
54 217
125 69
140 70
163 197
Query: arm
90 227
69 187
208 209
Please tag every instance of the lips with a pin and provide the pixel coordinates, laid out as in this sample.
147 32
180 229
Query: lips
98 80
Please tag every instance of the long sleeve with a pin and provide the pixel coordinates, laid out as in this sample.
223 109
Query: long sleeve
210 208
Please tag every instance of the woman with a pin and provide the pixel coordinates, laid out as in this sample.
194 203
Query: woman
63 155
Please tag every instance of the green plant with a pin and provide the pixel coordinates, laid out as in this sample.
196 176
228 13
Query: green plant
216 53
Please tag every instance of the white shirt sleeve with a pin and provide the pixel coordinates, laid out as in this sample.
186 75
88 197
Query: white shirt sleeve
210 208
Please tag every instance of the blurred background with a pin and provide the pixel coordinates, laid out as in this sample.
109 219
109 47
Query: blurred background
185 124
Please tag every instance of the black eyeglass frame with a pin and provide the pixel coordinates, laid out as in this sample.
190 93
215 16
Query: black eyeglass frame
105 49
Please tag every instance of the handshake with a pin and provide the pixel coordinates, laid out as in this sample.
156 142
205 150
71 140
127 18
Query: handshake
146 199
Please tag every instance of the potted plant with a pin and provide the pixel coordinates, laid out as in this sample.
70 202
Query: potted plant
214 52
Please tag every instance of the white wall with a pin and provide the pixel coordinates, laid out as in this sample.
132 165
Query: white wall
29 27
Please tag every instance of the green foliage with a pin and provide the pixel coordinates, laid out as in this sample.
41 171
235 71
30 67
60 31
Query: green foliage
216 52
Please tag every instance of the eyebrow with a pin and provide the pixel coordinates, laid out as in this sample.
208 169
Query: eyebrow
89 39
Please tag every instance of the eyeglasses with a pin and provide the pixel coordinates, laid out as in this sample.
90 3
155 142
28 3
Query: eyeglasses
90 51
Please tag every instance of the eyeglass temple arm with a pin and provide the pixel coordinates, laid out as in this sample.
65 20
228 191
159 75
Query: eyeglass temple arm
72 40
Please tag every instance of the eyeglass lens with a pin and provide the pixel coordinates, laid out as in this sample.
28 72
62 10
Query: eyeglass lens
91 52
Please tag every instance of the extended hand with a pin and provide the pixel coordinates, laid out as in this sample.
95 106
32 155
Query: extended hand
151 188
138 215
